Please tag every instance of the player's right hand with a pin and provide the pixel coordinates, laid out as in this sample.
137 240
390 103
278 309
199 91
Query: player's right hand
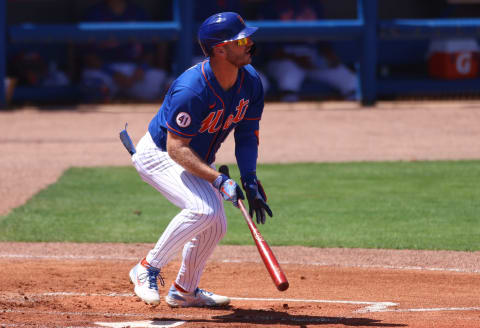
229 189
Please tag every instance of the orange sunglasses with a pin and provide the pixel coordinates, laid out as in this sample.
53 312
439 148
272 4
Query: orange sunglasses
240 42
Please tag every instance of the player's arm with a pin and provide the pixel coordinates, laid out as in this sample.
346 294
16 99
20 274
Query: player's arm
183 122
180 151
246 152
247 131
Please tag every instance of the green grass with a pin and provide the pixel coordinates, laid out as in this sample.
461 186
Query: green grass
396 205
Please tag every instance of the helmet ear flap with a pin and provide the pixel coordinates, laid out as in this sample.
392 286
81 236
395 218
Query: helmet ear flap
204 50
207 51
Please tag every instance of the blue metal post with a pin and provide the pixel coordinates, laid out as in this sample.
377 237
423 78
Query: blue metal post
367 11
183 13
3 52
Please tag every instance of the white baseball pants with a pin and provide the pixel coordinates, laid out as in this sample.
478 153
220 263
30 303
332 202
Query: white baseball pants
199 226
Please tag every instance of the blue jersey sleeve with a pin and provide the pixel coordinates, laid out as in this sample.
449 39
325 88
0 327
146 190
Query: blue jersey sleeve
247 133
183 112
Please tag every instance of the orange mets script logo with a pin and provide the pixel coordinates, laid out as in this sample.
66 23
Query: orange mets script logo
210 123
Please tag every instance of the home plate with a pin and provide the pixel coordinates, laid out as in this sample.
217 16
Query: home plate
141 324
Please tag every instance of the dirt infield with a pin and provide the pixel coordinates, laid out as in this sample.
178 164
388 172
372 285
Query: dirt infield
85 285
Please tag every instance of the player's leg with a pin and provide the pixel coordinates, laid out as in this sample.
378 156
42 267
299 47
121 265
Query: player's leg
202 206
196 253
184 291
200 234
195 226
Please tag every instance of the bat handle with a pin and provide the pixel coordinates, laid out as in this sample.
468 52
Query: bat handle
224 170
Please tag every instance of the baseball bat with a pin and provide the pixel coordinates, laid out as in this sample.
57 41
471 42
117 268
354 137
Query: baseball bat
127 141
266 253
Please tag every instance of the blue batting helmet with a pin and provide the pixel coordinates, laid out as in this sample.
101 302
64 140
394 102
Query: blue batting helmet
222 27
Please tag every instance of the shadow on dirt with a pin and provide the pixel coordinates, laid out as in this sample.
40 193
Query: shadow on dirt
270 317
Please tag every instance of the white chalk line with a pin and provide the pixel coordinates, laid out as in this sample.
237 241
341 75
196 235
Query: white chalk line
399 267
91 314
40 326
142 324
370 306
365 266
432 309
368 266
256 317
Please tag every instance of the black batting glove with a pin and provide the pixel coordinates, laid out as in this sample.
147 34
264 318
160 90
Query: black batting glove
257 199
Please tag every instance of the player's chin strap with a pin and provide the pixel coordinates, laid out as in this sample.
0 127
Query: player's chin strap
252 49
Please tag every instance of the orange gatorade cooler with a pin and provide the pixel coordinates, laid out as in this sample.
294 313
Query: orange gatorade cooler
453 58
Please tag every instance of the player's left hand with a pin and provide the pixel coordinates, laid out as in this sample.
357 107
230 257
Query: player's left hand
257 199
229 189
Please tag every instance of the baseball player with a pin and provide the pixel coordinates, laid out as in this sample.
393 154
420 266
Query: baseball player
176 155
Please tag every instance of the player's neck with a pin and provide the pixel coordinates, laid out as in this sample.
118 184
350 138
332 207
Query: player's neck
225 73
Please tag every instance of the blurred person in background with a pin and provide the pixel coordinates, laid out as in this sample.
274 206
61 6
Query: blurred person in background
30 68
122 70
291 63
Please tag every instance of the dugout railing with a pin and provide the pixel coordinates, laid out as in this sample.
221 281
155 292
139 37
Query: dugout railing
367 29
